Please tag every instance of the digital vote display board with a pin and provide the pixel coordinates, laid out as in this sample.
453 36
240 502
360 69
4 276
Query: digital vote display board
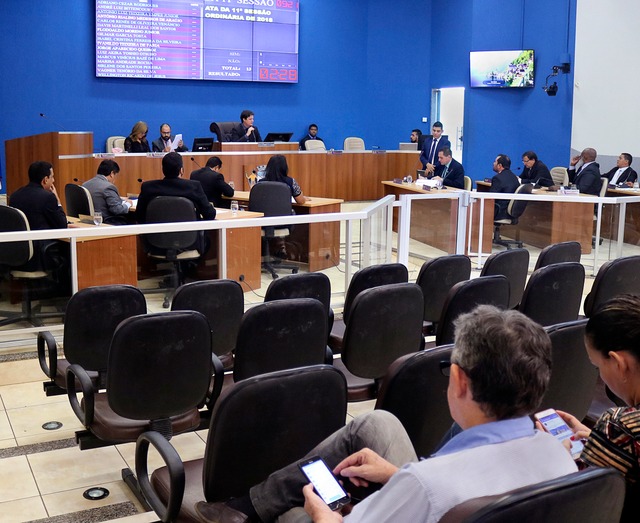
241 40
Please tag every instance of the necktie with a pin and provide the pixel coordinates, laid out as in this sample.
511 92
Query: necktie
446 170
432 151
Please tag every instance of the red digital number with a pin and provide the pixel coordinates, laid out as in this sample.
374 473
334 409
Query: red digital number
264 73
293 75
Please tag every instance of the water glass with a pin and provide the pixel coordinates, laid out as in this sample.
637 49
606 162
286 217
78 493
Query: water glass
409 179
234 207
232 185
97 218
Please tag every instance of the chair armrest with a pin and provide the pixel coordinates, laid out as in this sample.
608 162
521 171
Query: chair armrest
328 355
84 415
216 385
50 368
176 475
331 319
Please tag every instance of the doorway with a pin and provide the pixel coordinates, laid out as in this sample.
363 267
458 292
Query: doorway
447 106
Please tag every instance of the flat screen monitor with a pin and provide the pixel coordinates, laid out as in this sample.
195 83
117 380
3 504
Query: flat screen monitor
502 69
202 145
241 40
407 146
278 137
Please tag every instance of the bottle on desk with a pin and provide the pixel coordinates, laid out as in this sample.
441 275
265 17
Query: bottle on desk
635 185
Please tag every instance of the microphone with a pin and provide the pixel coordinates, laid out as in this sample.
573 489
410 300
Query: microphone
194 161
139 180
42 115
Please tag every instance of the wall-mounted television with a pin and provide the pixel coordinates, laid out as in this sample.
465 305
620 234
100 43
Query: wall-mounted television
502 69
241 40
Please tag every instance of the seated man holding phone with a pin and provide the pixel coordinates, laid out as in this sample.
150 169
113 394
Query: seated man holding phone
499 372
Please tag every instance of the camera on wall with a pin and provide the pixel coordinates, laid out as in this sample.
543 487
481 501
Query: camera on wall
565 67
552 89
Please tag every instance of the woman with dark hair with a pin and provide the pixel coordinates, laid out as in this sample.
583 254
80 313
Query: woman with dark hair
612 339
137 142
278 171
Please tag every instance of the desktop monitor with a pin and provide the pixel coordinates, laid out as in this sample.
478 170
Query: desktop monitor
278 137
407 146
202 145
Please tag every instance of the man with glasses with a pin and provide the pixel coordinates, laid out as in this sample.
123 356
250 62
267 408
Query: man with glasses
105 196
499 372
535 171
163 143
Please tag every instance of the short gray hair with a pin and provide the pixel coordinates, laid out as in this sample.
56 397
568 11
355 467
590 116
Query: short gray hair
507 358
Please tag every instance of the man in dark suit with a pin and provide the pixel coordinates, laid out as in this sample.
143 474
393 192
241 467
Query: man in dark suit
246 131
213 183
163 143
430 148
452 172
311 135
535 171
622 174
504 181
587 177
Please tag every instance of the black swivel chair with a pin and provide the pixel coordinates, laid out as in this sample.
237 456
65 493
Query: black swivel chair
272 199
514 210
615 277
173 247
436 277
559 253
222 130
514 264
79 200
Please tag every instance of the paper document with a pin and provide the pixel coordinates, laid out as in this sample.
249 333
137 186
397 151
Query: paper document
176 141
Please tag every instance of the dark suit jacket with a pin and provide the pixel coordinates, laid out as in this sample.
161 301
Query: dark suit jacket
136 147
588 180
40 207
454 175
629 175
239 134
426 149
538 174
189 189
158 145
302 144
506 182
213 185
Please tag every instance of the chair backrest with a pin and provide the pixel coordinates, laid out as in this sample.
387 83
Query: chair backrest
353 143
222 130
159 365
14 254
615 277
517 207
115 142
592 495
270 198
314 285
560 176
553 293
315 145
436 277
415 391
267 422
605 184
91 318
373 276
78 199
221 302
468 183
514 264
559 253
466 296
279 335
163 209
573 377
385 323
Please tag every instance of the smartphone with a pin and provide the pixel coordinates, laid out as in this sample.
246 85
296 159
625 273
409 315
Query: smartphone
324 482
556 426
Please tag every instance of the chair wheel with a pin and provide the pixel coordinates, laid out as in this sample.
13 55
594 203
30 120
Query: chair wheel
166 303
294 271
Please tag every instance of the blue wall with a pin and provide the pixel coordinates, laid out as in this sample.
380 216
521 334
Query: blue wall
366 68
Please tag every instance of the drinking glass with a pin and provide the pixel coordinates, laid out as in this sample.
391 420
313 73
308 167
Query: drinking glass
97 218
234 207
232 185
409 179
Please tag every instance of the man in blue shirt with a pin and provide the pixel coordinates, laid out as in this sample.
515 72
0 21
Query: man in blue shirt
499 373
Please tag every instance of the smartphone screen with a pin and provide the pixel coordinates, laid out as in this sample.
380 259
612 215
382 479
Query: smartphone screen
556 426
324 482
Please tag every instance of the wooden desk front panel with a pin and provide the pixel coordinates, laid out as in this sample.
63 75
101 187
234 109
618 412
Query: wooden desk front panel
107 261
243 257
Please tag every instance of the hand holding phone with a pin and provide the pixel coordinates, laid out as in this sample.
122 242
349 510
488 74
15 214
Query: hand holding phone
324 482
553 424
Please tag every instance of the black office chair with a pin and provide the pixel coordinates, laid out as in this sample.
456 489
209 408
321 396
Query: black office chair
35 270
514 210
436 277
514 264
593 495
222 303
222 130
263 424
554 293
367 278
272 199
79 200
414 389
91 318
174 247
615 277
559 253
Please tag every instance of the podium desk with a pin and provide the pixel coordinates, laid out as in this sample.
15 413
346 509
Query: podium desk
544 223
434 222
317 244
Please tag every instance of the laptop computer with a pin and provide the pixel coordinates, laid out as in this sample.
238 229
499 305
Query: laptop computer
407 146
278 137
202 145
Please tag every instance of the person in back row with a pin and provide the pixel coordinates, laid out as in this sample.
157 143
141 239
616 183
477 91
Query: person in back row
163 143
311 135
137 142
622 174
213 183
430 148
105 196
246 131
452 172
587 176
499 372
504 181
535 171
278 171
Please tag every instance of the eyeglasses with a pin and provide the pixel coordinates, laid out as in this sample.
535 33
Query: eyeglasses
445 368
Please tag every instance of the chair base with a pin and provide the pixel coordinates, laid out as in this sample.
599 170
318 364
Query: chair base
132 482
270 268
52 389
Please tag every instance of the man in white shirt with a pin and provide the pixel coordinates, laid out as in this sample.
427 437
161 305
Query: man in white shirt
622 174
499 372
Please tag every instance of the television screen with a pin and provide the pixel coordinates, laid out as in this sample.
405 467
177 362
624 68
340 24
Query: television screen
242 40
501 68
